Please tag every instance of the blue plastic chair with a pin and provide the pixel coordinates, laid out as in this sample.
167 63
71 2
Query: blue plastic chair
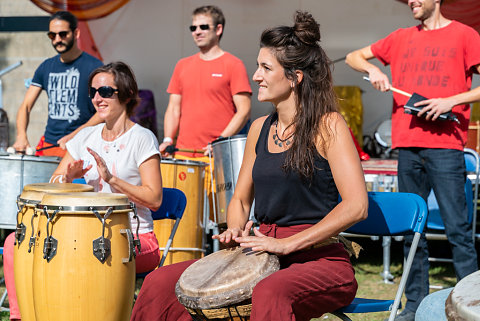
173 205
435 224
389 214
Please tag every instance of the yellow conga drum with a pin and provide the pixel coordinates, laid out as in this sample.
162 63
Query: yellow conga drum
27 223
83 266
187 176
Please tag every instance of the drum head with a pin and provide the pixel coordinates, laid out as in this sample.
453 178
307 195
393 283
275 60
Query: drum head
35 192
90 199
224 278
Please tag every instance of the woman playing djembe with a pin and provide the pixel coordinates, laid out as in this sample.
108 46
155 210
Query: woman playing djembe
297 161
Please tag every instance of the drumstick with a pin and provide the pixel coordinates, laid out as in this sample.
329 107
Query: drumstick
172 149
398 91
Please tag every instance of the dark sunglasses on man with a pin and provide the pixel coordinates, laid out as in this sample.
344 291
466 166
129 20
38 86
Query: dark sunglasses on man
104 92
52 35
202 27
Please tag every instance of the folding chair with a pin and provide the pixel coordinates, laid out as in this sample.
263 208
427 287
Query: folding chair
435 226
389 214
173 206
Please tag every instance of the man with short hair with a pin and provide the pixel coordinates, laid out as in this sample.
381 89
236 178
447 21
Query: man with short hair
209 91
435 59
65 79
209 95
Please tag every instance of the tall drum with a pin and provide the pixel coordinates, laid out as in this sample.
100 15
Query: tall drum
84 266
27 223
227 156
16 172
187 176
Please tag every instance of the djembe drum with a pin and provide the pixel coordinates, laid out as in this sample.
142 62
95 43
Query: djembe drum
84 267
220 285
27 223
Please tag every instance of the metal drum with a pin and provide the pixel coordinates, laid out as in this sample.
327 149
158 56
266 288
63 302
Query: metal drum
227 156
84 266
18 171
188 176
25 234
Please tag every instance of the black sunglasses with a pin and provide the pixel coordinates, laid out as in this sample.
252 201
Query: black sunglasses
62 34
202 27
104 92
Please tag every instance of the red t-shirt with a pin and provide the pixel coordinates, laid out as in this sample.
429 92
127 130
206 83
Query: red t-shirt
207 89
435 63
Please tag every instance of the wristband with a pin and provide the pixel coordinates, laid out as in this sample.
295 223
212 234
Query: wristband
167 140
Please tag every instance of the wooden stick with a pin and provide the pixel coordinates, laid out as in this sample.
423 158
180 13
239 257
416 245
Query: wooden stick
398 91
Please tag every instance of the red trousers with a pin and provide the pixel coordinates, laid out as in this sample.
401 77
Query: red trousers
309 284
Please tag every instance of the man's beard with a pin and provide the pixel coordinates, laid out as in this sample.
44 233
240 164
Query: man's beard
67 45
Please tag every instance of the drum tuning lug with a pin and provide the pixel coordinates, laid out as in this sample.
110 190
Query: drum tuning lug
101 248
30 244
20 233
49 248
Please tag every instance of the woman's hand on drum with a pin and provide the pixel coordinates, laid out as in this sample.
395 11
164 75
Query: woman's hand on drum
232 234
75 170
102 168
260 242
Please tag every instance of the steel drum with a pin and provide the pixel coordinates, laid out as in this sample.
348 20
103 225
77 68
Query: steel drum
18 171
227 156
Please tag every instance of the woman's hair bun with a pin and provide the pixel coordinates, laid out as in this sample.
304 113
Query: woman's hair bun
306 28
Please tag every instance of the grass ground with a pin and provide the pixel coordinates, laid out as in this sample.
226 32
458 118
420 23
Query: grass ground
368 268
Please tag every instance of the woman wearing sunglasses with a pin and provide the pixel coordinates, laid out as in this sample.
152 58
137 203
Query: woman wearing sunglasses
118 156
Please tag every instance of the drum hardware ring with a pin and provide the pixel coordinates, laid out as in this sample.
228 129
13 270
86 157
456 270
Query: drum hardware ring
84 208
50 243
135 216
32 236
131 245
101 245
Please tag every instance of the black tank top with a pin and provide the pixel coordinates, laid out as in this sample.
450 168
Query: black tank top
282 198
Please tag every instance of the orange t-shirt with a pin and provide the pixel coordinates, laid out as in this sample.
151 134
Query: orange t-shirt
207 89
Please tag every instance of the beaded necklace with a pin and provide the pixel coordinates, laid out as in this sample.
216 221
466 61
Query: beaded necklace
278 141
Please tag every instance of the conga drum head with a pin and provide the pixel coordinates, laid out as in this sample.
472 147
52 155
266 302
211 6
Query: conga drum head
224 278
34 192
81 202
